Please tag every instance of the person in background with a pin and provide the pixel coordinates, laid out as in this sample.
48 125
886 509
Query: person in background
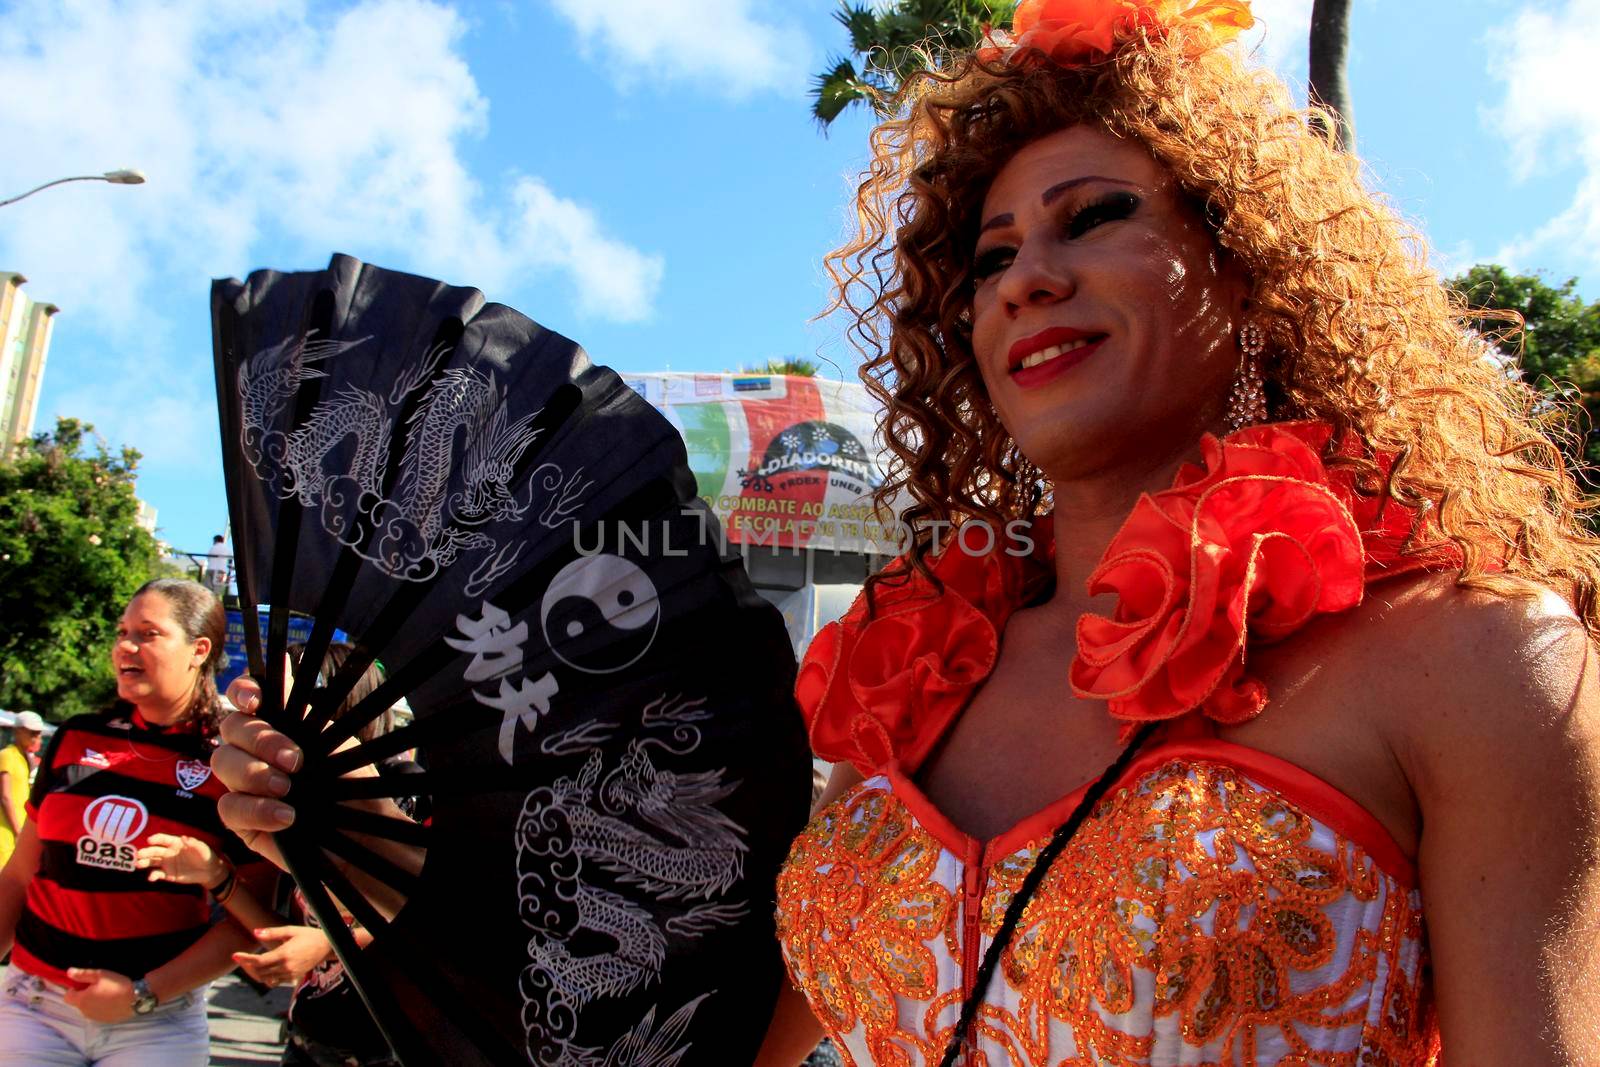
108 968
216 568
328 1025
16 772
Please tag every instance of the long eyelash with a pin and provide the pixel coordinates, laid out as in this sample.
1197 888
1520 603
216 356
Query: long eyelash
990 262
1108 208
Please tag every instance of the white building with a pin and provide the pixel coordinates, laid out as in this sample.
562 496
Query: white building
25 327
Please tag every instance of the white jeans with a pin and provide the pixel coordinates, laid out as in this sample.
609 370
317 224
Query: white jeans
38 1028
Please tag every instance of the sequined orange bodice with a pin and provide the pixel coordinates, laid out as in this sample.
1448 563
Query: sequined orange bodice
1219 907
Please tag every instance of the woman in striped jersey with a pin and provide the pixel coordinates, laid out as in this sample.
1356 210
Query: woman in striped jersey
108 967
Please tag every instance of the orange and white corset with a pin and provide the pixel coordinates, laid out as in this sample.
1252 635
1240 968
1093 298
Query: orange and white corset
1220 906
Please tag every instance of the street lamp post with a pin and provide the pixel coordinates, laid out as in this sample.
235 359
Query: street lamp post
115 177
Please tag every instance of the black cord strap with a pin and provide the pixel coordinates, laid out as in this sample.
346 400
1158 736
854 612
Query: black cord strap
223 890
1030 885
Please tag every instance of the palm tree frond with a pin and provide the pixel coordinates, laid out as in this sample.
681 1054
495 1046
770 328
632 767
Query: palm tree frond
837 89
861 23
894 42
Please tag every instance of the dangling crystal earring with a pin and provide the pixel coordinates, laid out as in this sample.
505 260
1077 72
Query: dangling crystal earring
1247 403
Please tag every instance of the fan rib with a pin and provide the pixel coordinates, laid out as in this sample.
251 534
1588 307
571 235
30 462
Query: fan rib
366 860
345 892
308 868
436 783
347 569
372 824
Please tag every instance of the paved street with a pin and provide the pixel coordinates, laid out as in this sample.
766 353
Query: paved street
244 1024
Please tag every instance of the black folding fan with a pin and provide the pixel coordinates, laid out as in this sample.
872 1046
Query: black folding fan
603 706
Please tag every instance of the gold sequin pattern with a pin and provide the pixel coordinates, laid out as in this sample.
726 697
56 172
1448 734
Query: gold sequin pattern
1194 910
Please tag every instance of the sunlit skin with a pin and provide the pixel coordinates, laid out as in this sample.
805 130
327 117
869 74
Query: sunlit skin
1473 709
291 952
157 666
1083 231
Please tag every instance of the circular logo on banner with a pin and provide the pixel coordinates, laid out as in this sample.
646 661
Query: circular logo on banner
816 447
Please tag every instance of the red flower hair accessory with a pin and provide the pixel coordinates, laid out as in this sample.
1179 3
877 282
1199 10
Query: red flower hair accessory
1075 33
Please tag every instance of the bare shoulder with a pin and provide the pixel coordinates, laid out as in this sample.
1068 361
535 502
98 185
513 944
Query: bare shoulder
1482 676
1495 723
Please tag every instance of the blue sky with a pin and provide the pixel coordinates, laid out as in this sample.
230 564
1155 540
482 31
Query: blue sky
640 175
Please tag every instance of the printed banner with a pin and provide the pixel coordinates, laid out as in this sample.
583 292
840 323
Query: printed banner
783 461
238 660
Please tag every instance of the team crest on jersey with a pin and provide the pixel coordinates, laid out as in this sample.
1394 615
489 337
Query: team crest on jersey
192 773
112 824
91 758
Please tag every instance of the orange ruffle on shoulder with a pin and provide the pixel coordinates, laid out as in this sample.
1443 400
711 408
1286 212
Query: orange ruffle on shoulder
1248 545
884 687
1251 544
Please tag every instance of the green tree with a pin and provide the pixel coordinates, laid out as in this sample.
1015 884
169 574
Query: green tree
71 554
799 368
1557 350
894 42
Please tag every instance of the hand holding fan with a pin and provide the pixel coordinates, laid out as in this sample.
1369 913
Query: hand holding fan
613 758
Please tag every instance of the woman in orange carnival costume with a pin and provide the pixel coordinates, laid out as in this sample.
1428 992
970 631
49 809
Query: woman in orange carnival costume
1249 714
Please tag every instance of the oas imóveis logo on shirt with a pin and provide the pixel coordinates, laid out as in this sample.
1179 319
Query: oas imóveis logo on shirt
112 823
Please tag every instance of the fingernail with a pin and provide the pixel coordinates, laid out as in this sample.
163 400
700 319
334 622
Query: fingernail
277 784
289 761
281 813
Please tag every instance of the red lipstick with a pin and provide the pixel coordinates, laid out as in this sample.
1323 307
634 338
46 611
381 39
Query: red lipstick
1032 377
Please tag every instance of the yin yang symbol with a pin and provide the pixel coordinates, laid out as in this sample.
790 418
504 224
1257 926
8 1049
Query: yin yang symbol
600 614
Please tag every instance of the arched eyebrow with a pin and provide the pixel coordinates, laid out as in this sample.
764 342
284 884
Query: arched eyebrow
1052 194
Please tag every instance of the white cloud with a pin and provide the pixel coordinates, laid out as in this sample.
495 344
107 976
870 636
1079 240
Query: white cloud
1456 259
266 120
1547 60
718 44
267 128
1279 39
613 279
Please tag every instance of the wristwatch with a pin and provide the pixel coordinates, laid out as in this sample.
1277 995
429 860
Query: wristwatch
144 1001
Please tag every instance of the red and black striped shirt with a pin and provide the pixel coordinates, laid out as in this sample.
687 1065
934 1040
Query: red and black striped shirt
106 783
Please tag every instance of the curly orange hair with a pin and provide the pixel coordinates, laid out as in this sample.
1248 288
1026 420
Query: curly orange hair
1360 331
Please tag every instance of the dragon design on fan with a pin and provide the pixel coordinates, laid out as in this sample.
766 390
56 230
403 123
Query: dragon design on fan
642 825
461 431
269 378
